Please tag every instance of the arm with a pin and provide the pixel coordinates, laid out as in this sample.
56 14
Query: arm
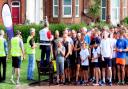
22 48
75 47
69 49
62 52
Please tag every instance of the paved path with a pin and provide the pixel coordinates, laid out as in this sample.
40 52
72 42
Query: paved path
77 87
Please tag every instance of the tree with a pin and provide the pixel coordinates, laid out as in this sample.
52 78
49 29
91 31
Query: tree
95 9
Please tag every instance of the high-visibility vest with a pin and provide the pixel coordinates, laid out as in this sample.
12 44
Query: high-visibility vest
2 48
45 36
30 50
15 47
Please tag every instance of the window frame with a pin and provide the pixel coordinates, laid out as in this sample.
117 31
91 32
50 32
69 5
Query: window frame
66 16
125 8
77 6
54 15
103 7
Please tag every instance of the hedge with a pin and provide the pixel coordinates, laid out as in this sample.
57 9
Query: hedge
53 27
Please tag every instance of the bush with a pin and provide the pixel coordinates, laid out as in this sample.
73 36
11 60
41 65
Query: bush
25 29
125 21
77 27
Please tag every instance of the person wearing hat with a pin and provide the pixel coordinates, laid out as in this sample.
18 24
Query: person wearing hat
3 55
45 43
31 54
17 50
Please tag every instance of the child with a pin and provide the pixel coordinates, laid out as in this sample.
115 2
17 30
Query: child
84 54
60 53
96 70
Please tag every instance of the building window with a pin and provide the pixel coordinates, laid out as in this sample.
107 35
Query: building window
77 8
124 8
67 8
115 9
55 8
103 9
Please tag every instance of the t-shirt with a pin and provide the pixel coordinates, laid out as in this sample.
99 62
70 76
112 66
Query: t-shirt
106 48
59 56
66 44
96 52
87 39
32 42
127 52
84 53
95 40
113 43
121 44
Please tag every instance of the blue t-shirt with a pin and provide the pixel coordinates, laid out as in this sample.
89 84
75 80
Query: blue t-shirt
87 39
121 44
127 43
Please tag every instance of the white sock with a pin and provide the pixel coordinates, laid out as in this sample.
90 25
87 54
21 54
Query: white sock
110 79
104 80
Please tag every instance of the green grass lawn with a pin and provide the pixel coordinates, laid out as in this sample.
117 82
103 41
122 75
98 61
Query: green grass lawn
23 78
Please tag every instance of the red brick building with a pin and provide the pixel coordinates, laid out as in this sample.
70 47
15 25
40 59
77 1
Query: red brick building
17 9
74 11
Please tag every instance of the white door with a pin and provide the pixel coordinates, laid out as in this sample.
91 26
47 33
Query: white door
115 12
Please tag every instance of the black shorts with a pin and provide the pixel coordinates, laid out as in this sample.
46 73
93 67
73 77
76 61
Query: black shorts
95 64
72 61
84 67
114 62
108 61
67 63
16 62
102 64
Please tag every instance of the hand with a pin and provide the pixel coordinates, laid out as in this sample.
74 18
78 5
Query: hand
93 59
120 50
23 56
102 58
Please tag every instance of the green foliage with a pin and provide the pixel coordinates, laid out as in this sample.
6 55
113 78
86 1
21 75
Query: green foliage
95 9
101 24
77 26
25 29
60 27
125 21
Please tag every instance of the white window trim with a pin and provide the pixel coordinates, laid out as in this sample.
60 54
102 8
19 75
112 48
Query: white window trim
125 8
105 12
67 16
118 13
55 16
77 5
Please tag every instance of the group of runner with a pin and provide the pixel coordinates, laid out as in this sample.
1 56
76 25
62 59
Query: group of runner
96 56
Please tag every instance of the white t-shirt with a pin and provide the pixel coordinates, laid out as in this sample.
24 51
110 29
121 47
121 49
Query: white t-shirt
113 43
84 53
106 48
95 53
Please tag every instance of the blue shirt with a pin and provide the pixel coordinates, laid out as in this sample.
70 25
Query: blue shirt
121 44
127 43
87 39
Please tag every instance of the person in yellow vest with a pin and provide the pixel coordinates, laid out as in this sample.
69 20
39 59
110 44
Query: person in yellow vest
31 54
3 56
17 50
